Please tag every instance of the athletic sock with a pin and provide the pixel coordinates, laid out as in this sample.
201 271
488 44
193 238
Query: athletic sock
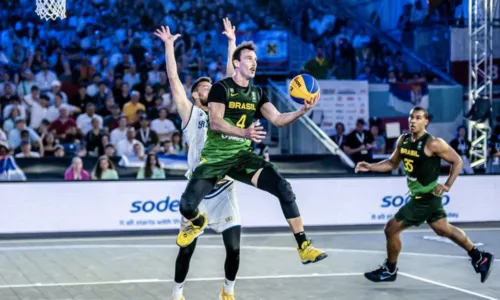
474 254
300 238
390 267
229 286
198 221
178 290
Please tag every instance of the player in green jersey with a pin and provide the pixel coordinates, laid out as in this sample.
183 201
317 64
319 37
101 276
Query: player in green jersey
421 154
233 104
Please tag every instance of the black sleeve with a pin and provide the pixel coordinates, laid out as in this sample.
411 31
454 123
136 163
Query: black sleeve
454 145
369 137
218 94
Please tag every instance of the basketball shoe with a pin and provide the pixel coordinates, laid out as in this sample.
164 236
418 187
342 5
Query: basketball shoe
484 265
189 233
226 296
309 254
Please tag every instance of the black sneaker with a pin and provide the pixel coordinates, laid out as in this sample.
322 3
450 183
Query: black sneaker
484 265
382 274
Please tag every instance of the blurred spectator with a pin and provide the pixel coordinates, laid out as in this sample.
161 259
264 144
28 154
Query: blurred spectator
26 151
111 121
152 169
130 108
9 171
76 171
120 133
493 165
15 135
56 90
63 123
164 127
54 110
9 101
339 137
379 144
262 150
84 121
49 143
359 143
45 77
319 66
178 144
148 98
81 99
93 139
102 96
109 150
104 170
126 146
148 138
368 75
462 146
10 122
107 107
123 95
59 151
39 111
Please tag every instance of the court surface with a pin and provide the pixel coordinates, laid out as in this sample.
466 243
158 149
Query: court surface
142 268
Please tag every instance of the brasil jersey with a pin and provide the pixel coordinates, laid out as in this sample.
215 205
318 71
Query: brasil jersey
421 171
242 106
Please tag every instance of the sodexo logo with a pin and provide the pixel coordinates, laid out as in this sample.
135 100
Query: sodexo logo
398 201
159 206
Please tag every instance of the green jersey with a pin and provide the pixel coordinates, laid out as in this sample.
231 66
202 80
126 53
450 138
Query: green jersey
242 106
421 171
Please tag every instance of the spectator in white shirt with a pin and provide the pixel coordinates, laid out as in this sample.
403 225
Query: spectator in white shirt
15 134
93 89
53 113
154 75
56 89
26 151
126 146
84 121
132 77
27 82
39 111
163 126
120 133
13 101
45 77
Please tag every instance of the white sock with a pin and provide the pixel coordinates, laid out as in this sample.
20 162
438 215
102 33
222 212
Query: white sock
229 286
178 289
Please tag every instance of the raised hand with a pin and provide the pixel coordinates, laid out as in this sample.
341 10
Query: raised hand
255 132
164 34
229 30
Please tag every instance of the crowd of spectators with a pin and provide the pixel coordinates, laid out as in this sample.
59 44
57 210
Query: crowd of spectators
94 84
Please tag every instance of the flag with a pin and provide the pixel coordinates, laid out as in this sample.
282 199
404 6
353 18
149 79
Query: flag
167 161
9 171
403 97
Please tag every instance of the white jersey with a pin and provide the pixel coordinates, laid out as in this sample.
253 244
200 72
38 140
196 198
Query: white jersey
195 135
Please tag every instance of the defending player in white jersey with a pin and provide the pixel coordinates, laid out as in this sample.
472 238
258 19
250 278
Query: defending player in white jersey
220 205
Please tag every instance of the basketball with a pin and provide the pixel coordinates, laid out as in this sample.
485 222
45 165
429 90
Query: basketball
303 87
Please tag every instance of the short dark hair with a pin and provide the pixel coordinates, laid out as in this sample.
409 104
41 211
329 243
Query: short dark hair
420 108
243 46
198 81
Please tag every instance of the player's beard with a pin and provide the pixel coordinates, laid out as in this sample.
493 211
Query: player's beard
203 101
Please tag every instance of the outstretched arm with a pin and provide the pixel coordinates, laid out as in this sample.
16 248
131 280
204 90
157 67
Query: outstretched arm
440 148
269 111
384 166
229 32
184 106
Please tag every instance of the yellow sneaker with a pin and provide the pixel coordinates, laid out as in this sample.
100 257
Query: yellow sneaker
188 234
309 254
224 296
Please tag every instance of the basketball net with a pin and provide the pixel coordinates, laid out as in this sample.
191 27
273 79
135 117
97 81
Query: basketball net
51 9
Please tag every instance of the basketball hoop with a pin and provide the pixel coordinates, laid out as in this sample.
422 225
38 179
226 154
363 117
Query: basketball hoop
51 9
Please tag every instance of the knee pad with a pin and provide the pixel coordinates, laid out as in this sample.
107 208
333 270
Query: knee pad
286 194
187 207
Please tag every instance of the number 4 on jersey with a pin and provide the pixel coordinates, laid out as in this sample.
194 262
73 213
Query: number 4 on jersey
241 122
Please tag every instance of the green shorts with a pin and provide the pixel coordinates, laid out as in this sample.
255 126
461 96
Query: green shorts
421 208
237 167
